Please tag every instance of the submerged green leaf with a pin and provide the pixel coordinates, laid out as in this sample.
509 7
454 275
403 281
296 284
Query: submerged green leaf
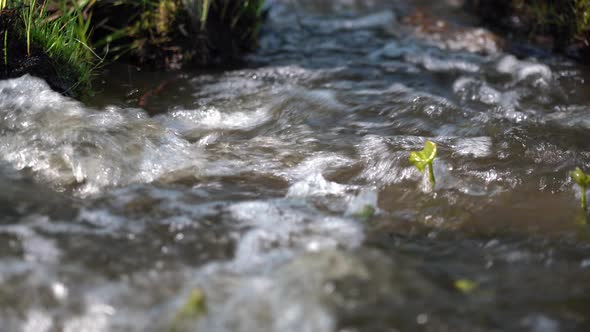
421 159
366 212
195 305
582 180
194 308
465 286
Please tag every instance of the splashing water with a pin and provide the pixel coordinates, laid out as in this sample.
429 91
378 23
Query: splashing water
249 185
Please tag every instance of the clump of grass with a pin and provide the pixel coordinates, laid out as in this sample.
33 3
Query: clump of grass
49 38
204 9
64 37
164 34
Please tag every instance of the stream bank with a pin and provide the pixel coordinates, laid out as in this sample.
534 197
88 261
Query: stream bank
562 26
65 42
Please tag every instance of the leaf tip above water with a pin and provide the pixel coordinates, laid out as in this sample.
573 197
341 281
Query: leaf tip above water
580 177
422 158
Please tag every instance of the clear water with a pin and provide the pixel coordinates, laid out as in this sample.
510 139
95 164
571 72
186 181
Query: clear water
247 185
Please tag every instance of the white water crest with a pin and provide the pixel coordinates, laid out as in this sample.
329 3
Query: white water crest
67 144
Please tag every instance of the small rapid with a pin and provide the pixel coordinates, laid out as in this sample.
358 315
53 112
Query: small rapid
282 190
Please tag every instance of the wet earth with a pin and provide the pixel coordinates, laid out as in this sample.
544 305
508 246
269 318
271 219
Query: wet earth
283 192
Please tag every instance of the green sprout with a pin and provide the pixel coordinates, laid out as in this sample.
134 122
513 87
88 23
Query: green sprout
582 180
366 212
424 158
465 286
195 307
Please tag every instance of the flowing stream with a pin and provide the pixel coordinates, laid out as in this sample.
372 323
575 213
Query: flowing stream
253 185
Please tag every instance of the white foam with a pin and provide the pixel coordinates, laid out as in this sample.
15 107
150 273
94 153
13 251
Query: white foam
70 145
522 70
211 118
37 321
316 185
385 20
318 163
477 147
95 319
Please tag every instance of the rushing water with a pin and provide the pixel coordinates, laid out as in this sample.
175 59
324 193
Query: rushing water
247 184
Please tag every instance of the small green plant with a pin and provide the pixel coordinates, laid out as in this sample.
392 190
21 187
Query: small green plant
424 158
582 180
64 35
195 307
366 212
465 286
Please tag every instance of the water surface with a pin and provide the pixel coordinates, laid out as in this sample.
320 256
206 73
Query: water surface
247 184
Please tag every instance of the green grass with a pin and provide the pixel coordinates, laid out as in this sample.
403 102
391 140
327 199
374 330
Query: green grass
64 37
150 30
232 11
153 27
